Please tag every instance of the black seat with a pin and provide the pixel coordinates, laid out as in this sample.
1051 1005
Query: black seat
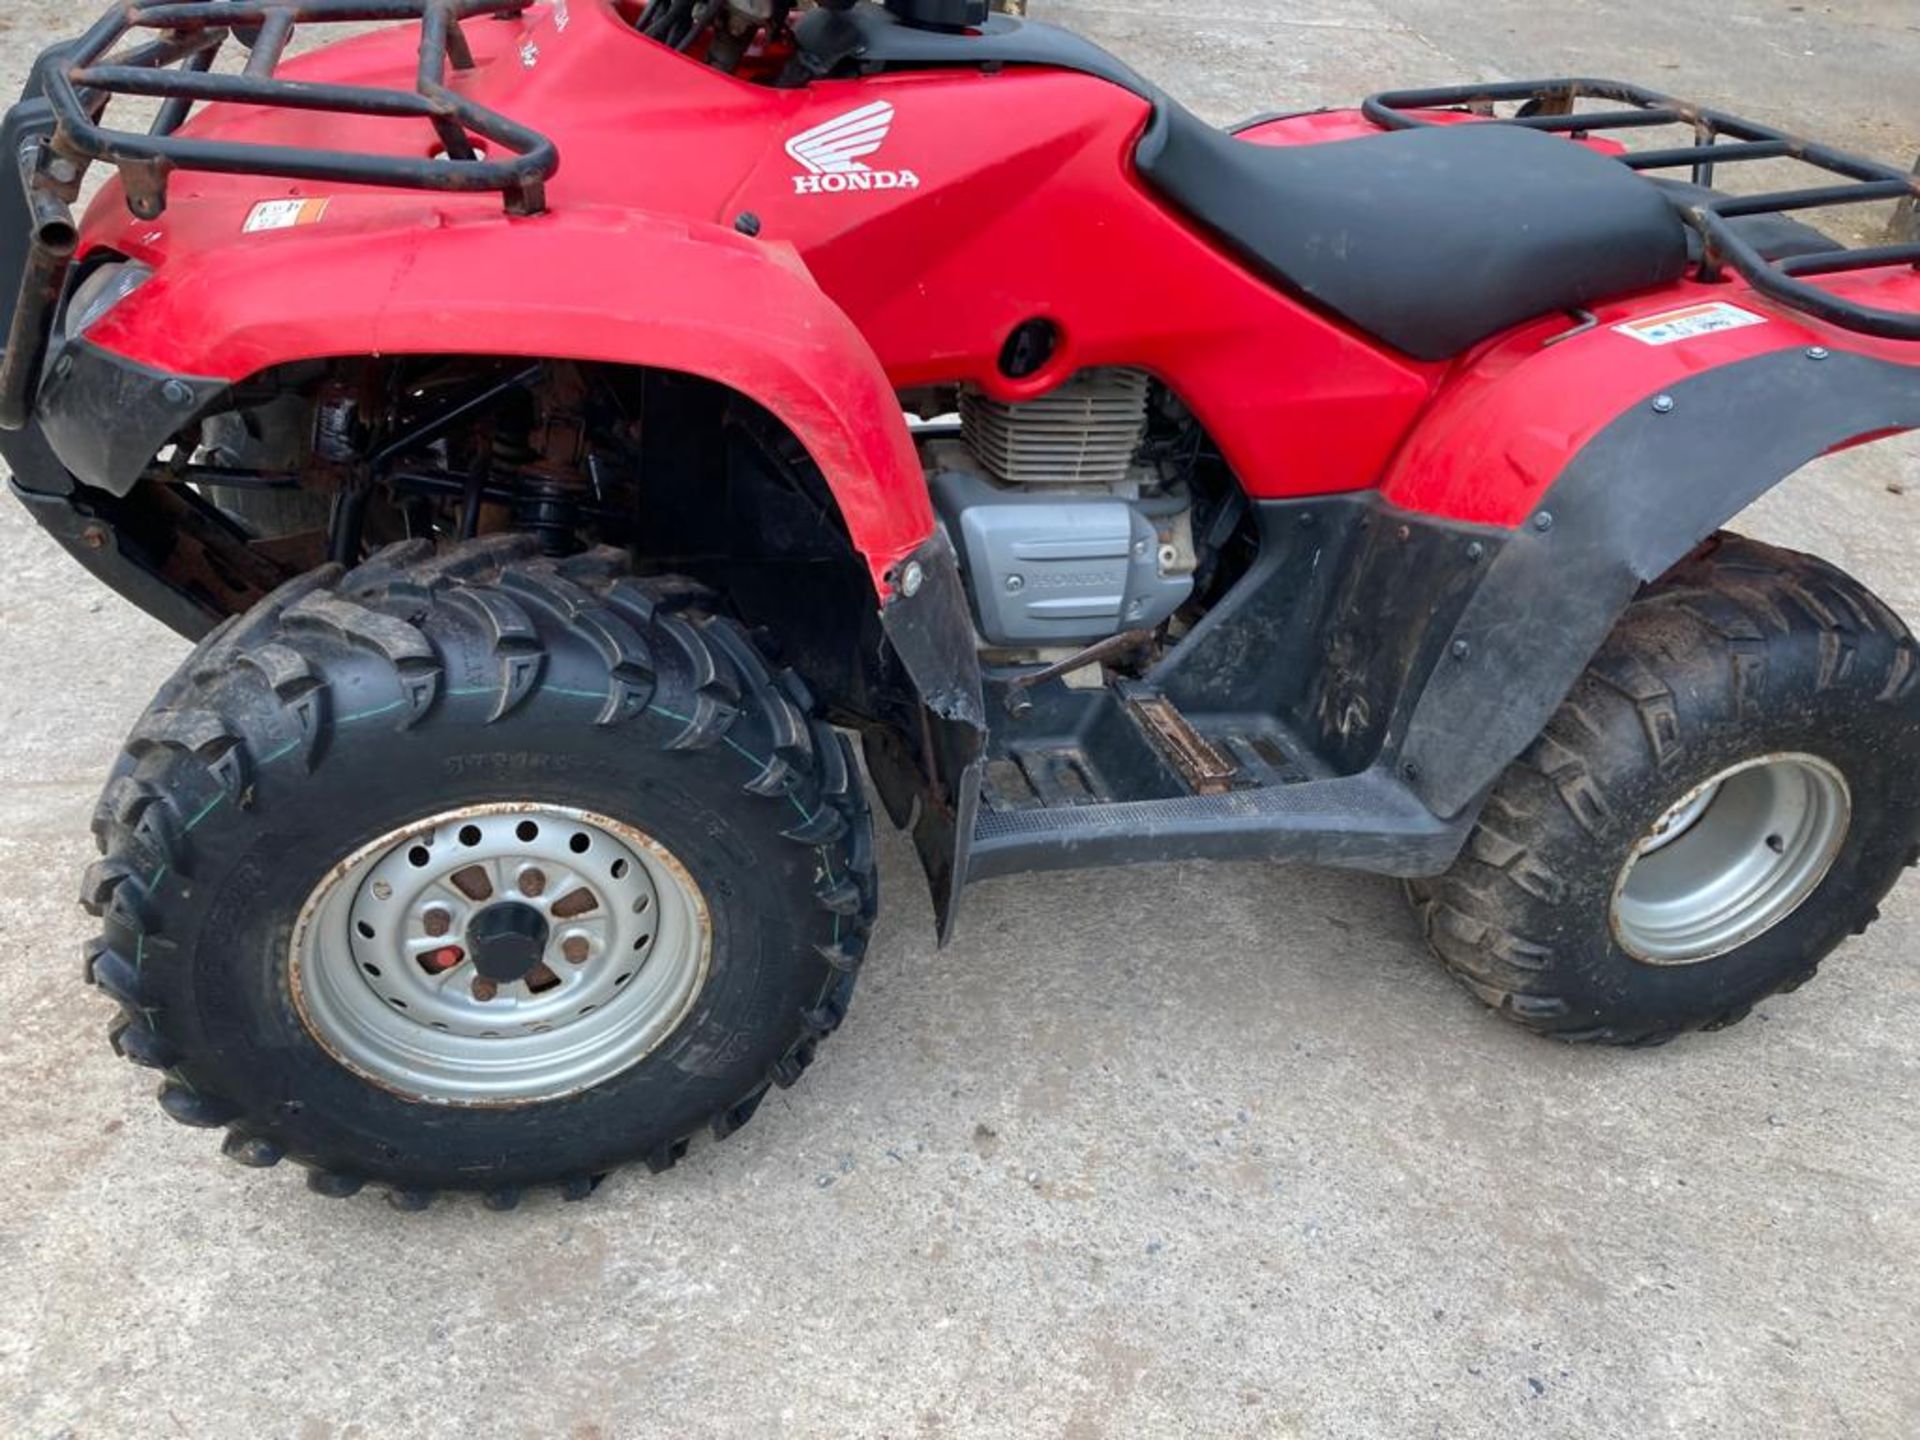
1430 239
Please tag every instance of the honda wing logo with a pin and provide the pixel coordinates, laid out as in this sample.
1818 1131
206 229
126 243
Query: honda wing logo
834 154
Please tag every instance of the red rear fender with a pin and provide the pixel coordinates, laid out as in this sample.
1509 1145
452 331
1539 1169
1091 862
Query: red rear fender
1514 416
1600 461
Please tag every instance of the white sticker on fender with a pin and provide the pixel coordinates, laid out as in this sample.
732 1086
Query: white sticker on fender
283 215
1690 323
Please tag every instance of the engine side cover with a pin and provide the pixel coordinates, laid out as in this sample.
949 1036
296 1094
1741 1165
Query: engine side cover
1051 570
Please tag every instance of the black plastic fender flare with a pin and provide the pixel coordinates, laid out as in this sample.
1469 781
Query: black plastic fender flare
1641 494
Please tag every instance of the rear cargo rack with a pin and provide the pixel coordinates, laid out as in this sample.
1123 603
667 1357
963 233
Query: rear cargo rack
1718 139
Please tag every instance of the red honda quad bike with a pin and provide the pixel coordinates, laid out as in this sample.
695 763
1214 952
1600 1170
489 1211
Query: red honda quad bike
565 426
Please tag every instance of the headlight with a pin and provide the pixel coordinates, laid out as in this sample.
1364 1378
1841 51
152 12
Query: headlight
103 289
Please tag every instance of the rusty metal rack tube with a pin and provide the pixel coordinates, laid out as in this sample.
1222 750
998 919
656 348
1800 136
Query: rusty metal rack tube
50 249
1719 139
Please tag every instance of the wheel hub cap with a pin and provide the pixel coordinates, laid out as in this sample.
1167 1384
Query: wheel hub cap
500 954
1731 859
507 940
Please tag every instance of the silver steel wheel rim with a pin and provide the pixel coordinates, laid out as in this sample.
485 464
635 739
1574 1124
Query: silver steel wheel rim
386 967
1731 859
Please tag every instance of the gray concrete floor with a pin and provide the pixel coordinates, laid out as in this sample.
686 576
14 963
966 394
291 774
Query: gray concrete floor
1188 1150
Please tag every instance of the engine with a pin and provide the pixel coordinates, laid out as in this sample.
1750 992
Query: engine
1068 530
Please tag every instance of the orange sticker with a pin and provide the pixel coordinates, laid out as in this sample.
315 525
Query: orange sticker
1690 323
283 215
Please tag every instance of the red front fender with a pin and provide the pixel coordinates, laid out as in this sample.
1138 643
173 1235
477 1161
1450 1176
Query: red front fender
595 285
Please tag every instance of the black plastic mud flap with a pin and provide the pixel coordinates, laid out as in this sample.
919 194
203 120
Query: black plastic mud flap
106 416
930 628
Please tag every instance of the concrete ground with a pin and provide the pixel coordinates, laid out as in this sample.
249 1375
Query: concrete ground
1197 1150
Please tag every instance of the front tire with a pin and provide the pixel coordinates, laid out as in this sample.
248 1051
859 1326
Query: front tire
385 806
1728 793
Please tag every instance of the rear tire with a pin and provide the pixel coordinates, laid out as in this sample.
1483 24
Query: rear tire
347 708
1748 677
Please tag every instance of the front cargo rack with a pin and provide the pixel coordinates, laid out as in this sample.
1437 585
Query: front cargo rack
168 51
176 68
1718 139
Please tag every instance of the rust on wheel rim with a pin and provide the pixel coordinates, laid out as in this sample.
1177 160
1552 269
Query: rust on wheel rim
500 954
1731 859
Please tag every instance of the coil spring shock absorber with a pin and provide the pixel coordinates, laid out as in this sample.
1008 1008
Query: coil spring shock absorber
547 509
551 461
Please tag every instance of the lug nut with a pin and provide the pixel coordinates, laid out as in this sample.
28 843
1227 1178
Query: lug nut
436 922
444 959
576 949
484 989
533 882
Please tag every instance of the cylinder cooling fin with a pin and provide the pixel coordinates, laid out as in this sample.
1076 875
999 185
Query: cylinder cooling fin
1085 432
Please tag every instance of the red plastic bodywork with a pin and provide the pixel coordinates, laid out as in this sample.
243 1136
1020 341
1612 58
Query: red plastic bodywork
1025 204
